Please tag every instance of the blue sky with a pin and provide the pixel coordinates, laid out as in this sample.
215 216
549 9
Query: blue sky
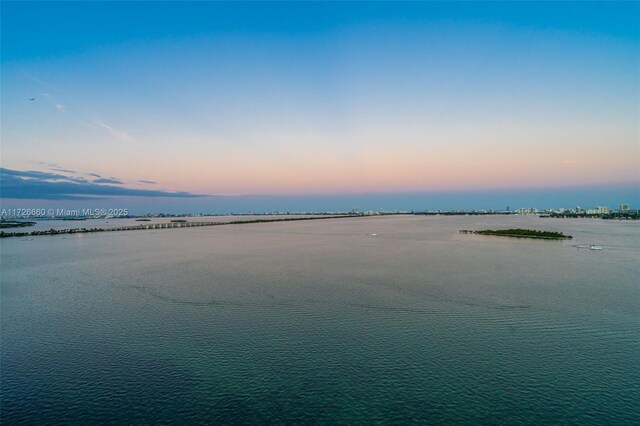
312 104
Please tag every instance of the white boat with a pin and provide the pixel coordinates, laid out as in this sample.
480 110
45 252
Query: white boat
373 235
592 247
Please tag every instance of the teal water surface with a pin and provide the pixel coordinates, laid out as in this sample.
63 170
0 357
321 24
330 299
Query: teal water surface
319 322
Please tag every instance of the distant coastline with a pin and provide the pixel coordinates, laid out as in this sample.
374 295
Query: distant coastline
15 224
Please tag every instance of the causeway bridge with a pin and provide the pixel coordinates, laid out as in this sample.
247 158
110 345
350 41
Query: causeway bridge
165 225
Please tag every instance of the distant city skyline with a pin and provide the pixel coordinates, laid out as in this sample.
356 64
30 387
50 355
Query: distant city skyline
158 202
221 107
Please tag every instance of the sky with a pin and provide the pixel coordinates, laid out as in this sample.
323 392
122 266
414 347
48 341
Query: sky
217 107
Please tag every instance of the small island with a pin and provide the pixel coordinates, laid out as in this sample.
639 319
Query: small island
521 233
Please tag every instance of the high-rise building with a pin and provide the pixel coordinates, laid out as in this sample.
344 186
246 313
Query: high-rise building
624 208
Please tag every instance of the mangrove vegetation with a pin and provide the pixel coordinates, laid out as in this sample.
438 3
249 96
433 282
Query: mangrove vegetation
521 233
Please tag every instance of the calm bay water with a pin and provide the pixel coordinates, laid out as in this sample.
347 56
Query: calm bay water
317 322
